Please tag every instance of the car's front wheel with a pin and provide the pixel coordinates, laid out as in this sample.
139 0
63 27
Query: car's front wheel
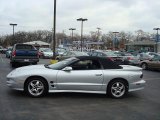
117 89
144 66
36 87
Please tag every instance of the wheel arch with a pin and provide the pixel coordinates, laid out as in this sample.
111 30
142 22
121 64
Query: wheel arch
147 65
144 63
40 77
126 82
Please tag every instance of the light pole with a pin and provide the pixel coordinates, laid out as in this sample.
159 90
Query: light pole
98 33
54 32
82 20
156 47
115 33
98 36
72 29
13 24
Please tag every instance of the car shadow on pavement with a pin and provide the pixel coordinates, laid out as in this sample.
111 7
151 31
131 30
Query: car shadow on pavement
21 94
88 96
16 93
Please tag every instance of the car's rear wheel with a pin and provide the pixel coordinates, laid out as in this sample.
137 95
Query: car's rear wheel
144 66
36 87
117 89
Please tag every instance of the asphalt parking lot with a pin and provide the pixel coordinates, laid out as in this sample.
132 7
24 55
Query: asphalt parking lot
139 105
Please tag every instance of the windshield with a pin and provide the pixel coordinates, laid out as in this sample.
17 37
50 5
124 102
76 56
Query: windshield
111 54
62 64
47 50
80 53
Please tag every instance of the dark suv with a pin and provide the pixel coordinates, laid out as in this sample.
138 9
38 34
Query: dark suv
24 53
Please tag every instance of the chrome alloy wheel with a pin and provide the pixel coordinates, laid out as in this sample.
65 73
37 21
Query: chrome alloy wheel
118 89
35 88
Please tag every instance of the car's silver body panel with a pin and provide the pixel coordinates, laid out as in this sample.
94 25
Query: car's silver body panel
86 81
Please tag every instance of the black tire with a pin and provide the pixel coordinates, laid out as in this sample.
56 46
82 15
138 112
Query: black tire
35 63
13 64
144 66
36 87
117 89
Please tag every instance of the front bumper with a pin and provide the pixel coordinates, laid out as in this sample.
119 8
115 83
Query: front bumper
137 85
13 84
48 56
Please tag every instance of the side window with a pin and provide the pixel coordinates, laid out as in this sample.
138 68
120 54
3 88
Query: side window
155 59
94 54
86 65
100 54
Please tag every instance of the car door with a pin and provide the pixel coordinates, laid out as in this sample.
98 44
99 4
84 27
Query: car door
86 75
155 63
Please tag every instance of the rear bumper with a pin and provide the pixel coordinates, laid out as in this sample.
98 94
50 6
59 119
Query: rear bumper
27 60
137 85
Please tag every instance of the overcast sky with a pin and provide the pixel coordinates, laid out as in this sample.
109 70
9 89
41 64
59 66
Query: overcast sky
109 15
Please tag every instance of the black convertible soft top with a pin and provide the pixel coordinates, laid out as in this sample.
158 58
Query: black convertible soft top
105 62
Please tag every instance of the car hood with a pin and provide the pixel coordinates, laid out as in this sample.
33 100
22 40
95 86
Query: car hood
30 67
131 68
27 70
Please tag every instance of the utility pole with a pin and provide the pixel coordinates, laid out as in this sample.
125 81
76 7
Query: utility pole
72 29
82 20
98 33
13 29
156 46
54 32
114 45
98 36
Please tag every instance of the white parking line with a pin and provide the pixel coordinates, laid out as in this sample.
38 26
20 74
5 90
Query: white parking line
152 79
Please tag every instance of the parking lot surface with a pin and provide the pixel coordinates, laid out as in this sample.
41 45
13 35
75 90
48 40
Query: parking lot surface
139 105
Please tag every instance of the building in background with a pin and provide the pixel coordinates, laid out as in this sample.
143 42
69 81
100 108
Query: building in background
39 44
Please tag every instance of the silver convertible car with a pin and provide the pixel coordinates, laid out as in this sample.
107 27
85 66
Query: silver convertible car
83 74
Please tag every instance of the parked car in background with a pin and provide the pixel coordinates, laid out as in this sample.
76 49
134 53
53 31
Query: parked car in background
24 53
8 52
46 53
60 51
111 55
153 63
144 56
128 58
152 54
3 50
69 54
83 74
41 52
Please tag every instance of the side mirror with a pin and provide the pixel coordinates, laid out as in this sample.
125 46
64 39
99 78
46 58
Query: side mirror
67 69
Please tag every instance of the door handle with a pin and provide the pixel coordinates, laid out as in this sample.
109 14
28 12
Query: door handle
98 74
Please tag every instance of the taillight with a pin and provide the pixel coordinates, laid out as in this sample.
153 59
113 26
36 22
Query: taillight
14 53
130 58
110 58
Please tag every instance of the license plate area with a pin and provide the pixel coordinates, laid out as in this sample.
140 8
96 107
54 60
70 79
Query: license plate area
26 60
